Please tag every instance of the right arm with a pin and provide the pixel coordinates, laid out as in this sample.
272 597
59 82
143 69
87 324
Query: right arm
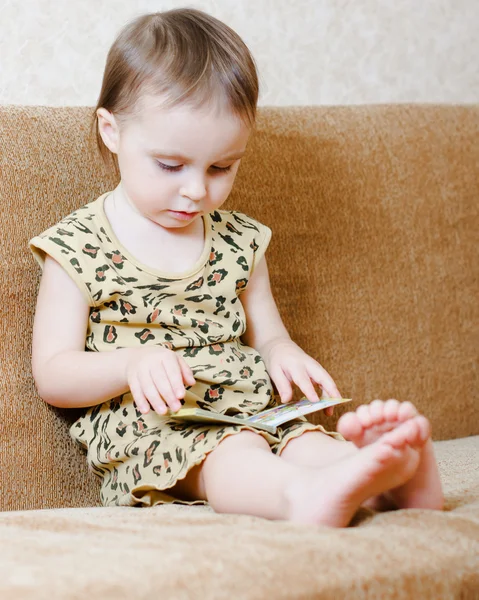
69 377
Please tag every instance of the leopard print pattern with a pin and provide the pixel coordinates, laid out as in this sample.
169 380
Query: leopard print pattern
197 314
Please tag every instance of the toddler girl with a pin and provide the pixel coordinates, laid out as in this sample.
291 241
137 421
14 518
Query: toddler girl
152 297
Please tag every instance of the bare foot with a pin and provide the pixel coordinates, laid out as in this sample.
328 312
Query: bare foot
369 423
331 495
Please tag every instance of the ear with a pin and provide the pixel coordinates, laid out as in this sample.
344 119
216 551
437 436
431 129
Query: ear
109 130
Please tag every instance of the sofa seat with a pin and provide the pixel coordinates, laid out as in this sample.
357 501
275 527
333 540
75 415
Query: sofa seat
124 553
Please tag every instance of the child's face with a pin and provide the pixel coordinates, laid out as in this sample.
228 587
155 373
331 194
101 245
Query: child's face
176 163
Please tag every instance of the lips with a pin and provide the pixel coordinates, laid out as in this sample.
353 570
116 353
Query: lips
179 214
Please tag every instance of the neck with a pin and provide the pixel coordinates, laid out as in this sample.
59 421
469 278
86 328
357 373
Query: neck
127 212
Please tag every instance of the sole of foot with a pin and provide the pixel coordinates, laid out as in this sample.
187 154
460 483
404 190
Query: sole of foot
331 495
368 423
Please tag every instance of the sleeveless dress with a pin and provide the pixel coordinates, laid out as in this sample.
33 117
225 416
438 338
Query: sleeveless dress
197 314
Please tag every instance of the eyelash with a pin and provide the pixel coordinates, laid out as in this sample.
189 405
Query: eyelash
176 168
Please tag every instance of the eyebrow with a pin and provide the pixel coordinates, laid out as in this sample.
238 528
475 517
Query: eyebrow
178 156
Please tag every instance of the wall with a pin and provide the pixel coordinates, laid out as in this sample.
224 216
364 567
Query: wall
308 51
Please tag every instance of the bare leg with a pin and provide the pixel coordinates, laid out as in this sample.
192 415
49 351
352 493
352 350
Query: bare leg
369 423
229 473
242 476
315 449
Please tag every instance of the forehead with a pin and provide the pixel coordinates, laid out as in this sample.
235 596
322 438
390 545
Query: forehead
184 127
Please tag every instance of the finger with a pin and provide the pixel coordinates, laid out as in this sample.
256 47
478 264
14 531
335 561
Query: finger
320 376
282 384
329 411
175 376
302 380
186 371
151 392
138 396
162 382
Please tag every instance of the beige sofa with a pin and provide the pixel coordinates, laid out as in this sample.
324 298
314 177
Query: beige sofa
373 262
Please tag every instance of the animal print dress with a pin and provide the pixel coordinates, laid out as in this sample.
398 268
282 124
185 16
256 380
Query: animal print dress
197 314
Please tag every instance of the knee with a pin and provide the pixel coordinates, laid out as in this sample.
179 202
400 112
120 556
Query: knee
244 439
236 447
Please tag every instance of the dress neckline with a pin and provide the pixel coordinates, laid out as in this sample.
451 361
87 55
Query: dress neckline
146 268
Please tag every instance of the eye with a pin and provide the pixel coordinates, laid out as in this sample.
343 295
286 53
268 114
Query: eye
168 167
222 169
175 168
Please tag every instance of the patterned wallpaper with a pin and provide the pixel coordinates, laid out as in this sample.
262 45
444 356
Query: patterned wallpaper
308 51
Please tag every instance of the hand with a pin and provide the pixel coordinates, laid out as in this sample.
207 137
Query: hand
286 362
156 377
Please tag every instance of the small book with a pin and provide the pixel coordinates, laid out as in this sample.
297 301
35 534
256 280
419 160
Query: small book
268 420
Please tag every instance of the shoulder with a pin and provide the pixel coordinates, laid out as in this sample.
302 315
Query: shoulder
79 223
239 223
241 233
242 220
72 241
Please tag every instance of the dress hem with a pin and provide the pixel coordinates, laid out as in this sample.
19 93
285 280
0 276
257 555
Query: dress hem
162 497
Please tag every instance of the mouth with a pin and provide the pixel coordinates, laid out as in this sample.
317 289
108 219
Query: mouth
182 215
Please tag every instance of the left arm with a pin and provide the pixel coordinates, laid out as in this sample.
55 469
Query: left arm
265 331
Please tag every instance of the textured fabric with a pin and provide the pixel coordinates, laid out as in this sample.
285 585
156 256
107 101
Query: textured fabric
192 553
380 203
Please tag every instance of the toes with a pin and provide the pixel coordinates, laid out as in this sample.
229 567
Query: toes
349 426
395 438
406 410
420 431
391 408
385 452
424 428
364 416
376 412
413 432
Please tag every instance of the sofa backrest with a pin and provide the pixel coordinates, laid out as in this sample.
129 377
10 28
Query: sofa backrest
373 261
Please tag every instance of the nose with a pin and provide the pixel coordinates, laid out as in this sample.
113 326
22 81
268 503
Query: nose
194 188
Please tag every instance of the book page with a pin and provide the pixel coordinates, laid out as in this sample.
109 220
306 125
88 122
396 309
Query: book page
287 412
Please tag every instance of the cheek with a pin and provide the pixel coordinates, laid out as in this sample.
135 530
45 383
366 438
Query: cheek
149 190
146 176
219 190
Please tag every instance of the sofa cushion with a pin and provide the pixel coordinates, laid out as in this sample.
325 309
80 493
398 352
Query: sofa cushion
176 551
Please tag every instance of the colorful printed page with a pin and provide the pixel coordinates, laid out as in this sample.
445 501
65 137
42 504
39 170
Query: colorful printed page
286 412
267 420
198 415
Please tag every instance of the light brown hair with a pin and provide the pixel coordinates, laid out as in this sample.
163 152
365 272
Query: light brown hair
187 56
